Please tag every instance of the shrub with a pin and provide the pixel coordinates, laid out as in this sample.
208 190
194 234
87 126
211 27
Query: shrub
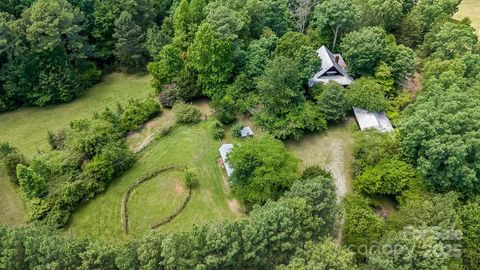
372 146
32 184
169 96
367 94
89 73
236 130
11 161
186 113
217 129
137 113
388 177
189 178
5 149
314 172
225 116
57 139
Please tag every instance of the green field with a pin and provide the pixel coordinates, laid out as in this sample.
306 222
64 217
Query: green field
11 206
470 9
146 197
27 127
191 146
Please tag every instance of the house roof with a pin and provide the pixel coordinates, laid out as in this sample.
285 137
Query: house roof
225 149
246 131
376 120
328 64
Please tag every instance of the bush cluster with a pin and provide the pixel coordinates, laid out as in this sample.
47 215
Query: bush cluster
10 158
83 160
186 113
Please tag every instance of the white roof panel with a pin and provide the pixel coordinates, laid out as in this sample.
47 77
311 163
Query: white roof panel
376 120
225 149
246 131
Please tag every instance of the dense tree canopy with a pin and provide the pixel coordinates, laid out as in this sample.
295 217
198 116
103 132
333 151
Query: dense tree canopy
440 134
337 16
263 169
367 94
450 40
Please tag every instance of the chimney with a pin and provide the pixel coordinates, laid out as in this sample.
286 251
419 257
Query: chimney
337 58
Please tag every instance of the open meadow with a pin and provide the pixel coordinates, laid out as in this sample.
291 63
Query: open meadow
470 9
26 128
191 146
11 205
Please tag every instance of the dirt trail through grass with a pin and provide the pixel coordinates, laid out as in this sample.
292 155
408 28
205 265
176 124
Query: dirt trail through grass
331 150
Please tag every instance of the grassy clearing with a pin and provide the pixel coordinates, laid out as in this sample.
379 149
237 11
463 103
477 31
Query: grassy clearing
192 146
155 199
470 9
26 128
11 206
331 150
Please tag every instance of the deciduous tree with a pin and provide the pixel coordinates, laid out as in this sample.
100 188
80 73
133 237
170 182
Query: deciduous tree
337 16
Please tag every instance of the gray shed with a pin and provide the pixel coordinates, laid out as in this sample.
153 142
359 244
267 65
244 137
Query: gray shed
246 132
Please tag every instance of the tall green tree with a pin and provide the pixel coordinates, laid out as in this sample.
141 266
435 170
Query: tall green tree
323 255
366 93
257 177
417 248
333 102
212 58
129 43
470 215
450 40
363 49
337 16
432 11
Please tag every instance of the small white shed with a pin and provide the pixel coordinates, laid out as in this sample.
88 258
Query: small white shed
246 132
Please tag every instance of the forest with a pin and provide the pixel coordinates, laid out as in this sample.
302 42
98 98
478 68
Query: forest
414 198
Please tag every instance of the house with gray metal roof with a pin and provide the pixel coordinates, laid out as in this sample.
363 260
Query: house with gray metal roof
333 69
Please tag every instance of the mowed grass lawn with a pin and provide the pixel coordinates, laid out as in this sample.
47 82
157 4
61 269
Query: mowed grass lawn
471 9
192 146
27 127
11 205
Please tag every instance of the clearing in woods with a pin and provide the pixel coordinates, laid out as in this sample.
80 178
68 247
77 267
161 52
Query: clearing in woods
470 9
26 128
192 146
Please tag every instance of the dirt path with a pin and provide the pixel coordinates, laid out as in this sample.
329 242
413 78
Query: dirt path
331 150
139 140
336 167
